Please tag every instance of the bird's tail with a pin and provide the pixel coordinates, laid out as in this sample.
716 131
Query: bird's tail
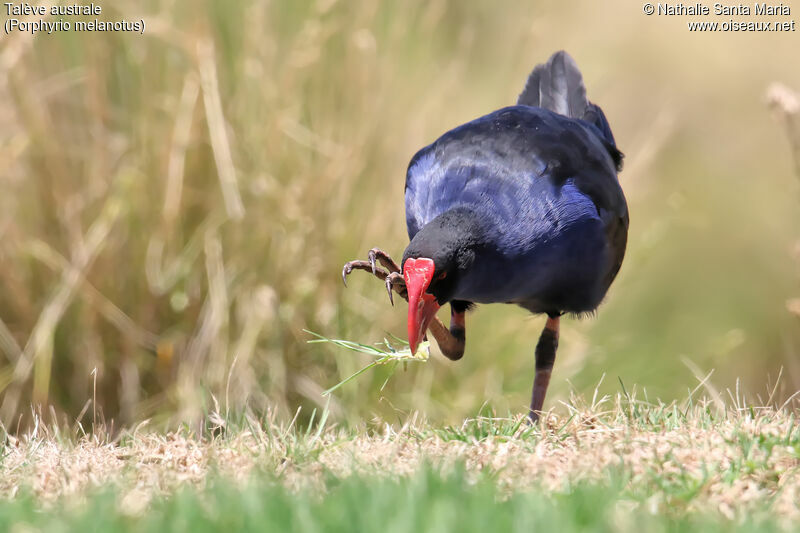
558 86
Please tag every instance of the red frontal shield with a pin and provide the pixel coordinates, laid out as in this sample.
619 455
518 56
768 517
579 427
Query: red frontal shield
422 306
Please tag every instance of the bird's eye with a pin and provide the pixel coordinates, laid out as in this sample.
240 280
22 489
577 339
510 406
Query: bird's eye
441 276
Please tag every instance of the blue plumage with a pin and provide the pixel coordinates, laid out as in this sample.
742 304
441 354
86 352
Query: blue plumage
542 188
519 206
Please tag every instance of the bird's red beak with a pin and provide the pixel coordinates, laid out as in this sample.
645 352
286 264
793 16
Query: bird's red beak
422 306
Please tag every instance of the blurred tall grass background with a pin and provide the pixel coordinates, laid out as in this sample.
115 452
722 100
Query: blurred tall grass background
175 207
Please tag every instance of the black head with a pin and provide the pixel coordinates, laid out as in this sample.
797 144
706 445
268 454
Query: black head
434 263
451 241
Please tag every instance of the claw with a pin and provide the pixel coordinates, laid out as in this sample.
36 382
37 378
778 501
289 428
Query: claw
371 256
392 281
376 254
344 275
389 289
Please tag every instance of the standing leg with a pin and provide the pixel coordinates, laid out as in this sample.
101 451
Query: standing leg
545 357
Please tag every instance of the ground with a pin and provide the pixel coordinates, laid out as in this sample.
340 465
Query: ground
606 466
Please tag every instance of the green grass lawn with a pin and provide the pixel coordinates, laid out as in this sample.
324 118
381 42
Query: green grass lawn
425 501
613 464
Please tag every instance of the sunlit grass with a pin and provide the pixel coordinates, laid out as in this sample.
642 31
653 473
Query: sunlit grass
616 463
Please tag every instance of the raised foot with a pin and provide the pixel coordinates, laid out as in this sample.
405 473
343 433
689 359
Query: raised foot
452 341
392 277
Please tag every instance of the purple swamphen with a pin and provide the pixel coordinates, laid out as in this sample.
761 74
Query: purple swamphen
520 206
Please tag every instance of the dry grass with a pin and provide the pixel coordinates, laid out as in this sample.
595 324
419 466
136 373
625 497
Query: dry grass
786 104
668 457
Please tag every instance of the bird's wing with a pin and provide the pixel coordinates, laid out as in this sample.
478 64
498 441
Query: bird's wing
509 158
